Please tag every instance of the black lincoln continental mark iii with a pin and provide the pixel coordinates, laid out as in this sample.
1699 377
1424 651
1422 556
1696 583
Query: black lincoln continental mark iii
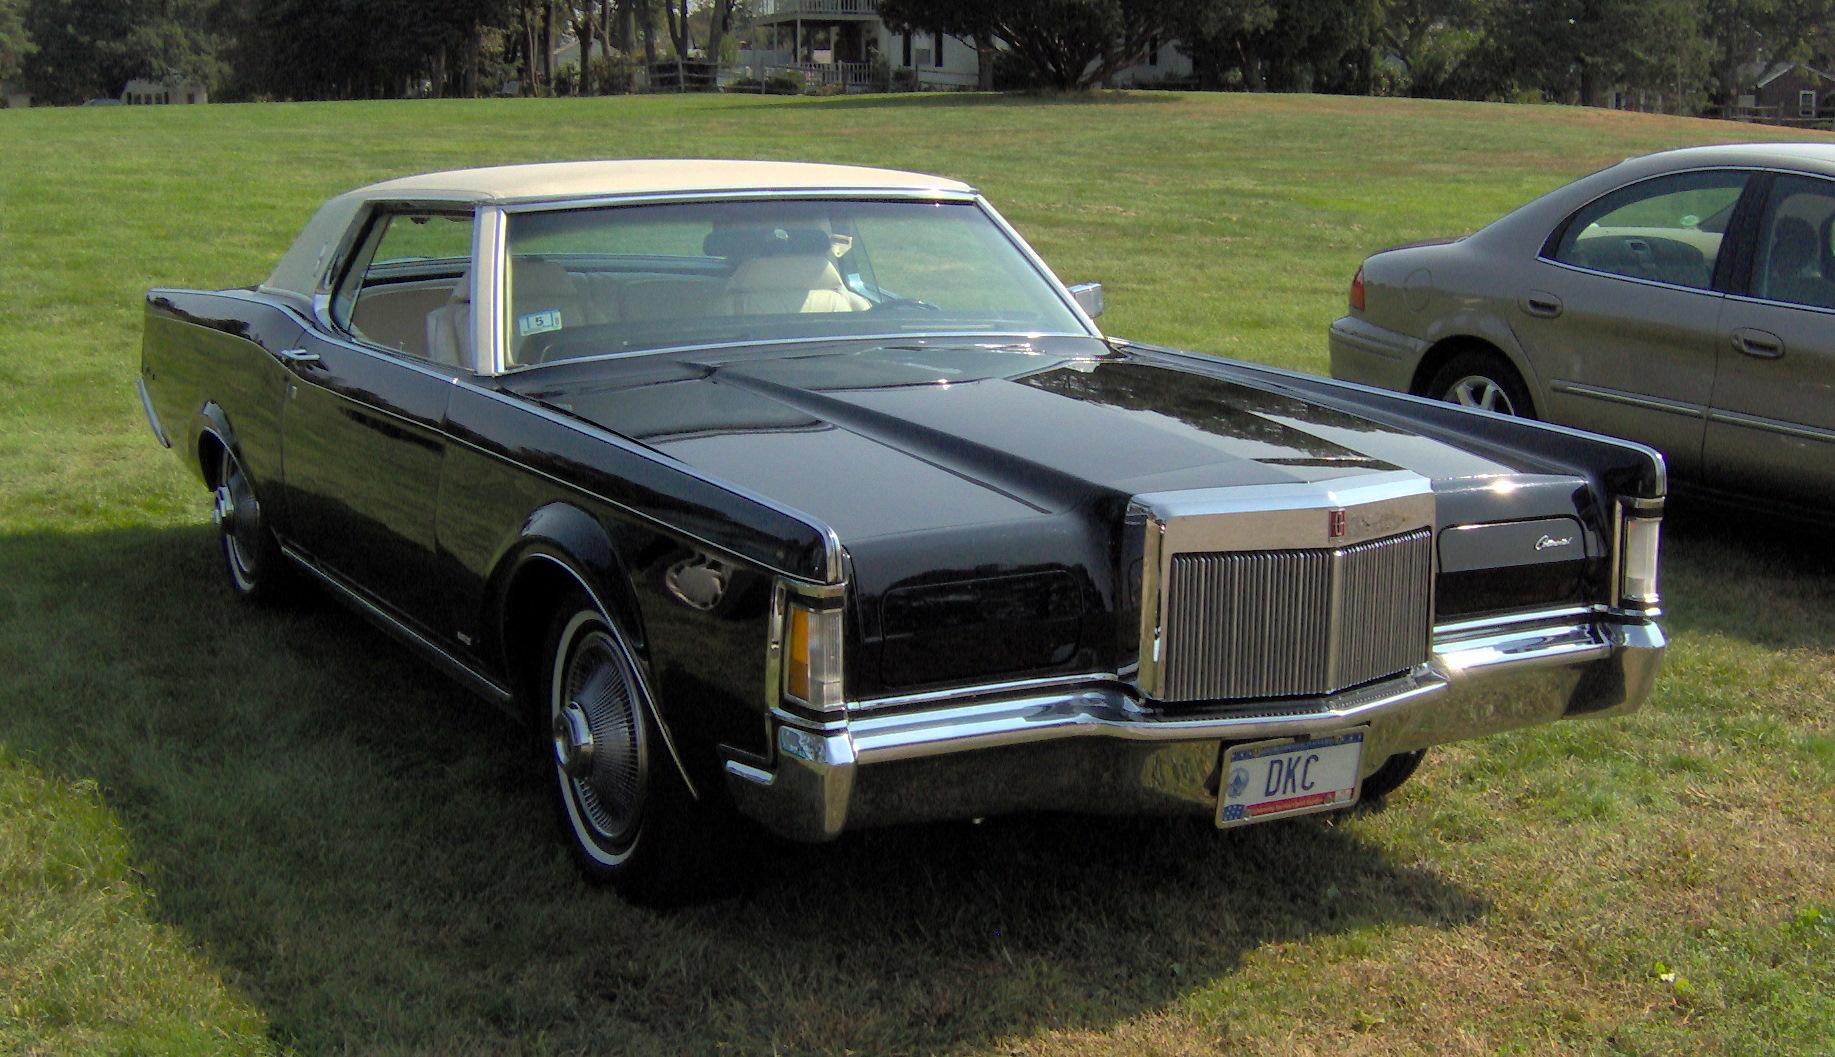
807 492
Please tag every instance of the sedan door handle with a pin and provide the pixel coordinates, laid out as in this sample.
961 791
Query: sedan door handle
301 358
1541 303
1760 343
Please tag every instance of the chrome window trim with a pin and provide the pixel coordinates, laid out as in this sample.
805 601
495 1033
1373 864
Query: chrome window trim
971 335
487 291
1031 256
1770 302
1561 224
1619 396
761 194
1707 291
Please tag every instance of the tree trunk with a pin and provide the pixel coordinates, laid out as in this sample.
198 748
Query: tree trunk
648 25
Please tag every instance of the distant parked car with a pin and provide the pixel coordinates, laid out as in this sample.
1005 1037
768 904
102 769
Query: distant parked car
1684 299
808 492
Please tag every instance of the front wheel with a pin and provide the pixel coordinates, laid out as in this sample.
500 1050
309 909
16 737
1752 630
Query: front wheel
624 810
1394 771
1486 380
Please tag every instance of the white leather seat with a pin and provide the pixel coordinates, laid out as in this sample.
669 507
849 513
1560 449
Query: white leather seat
449 327
786 285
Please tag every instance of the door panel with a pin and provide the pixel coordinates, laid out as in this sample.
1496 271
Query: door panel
1771 431
1626 358
364 449
1630 349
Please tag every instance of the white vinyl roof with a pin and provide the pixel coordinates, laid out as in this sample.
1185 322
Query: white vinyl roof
302 267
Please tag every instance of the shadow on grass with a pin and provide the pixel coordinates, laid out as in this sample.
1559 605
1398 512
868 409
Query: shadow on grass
365 854
963 100
1747 575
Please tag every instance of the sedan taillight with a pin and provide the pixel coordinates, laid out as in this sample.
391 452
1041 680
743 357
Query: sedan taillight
1357 290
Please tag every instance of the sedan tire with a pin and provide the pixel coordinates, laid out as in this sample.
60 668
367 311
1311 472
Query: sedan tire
1390 776
251 555
624 810
1480 379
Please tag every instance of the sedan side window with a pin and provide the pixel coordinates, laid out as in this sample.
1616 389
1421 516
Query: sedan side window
408 289
1794 257
1668 230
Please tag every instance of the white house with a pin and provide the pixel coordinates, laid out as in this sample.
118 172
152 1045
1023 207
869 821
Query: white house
838 41
11 95
159 93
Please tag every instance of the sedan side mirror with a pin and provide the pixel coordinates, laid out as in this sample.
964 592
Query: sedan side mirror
1089 298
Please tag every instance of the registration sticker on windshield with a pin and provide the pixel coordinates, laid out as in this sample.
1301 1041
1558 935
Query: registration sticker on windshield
1291 776
538 322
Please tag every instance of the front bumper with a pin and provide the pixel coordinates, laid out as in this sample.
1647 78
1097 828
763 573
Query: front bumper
1094 745
1368 354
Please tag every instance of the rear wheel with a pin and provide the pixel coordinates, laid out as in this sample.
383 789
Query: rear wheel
251 554
1476 378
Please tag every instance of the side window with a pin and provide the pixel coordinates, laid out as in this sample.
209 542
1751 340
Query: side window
407 288
1668 230
1794 252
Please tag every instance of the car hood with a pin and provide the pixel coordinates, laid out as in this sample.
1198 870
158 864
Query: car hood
881 440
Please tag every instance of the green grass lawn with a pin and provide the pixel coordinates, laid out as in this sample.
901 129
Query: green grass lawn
226 830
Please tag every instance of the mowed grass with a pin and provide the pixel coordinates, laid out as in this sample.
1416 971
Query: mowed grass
226 830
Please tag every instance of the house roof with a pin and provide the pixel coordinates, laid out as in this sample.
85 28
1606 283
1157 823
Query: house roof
1780 69
302 266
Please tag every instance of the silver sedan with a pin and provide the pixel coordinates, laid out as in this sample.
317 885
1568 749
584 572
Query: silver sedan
1684 299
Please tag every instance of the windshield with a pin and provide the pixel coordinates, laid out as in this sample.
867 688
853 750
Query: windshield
589 282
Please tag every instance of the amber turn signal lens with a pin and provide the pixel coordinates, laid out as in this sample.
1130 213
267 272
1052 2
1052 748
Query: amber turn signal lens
796 672
1357 290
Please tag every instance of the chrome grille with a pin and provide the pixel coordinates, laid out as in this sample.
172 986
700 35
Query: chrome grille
1281 623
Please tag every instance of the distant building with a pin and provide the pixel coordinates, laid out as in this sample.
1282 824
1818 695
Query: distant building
163 93
830 42
11 95
1786 92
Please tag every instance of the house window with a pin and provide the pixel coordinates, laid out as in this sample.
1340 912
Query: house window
907 49
939 49
1153 52
1806 103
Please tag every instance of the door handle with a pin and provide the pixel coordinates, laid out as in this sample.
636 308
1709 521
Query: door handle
301 358
1760 343
1541 303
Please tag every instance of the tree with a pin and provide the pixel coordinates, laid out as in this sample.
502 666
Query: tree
1294 45
1064 44
85 48
15 43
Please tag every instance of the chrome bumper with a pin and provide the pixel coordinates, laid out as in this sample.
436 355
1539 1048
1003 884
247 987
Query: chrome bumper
1372 355
1094 745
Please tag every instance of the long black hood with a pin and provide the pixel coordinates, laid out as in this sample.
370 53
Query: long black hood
890 440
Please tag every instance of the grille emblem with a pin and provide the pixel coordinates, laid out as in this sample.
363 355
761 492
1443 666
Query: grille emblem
1337 524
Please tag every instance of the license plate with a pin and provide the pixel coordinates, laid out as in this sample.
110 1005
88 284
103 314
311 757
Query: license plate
1291 776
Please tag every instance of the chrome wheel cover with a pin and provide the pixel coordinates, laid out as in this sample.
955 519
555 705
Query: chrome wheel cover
602 768
1476 390
238 517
